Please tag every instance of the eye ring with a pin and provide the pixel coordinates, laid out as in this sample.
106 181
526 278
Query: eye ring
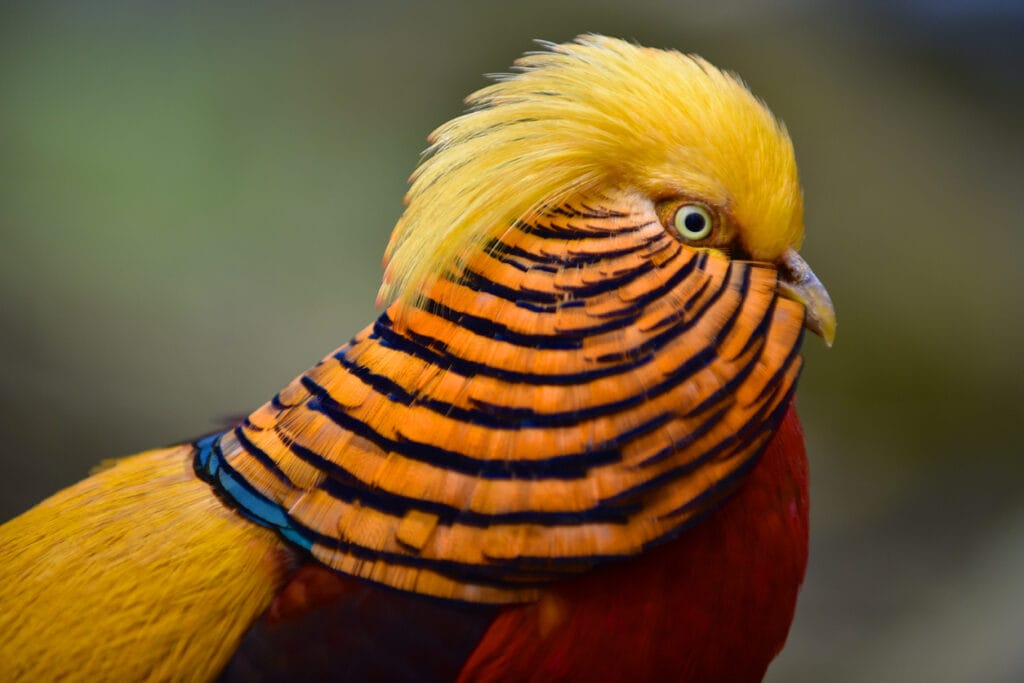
693 222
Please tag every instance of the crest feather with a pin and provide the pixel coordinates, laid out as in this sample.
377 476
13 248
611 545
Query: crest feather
576 117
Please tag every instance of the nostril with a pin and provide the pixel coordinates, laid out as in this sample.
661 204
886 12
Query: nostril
792 268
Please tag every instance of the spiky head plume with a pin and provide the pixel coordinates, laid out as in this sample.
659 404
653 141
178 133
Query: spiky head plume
597 112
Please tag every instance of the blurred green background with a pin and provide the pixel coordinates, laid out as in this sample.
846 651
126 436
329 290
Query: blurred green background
194 200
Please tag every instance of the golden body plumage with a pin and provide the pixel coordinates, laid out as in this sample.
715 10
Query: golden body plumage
137 573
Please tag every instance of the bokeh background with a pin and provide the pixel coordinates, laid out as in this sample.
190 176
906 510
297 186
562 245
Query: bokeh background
194 200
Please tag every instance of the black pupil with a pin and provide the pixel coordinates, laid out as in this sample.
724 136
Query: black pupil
694 222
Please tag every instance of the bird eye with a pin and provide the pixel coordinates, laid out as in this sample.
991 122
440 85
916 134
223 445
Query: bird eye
693 222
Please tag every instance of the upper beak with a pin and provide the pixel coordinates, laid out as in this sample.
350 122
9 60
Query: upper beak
798 282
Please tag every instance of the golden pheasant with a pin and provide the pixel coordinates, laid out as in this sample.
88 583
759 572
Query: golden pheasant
566 450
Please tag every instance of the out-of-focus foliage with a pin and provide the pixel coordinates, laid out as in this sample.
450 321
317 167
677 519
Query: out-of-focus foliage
194 201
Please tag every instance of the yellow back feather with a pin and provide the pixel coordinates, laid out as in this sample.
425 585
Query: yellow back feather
138 573
593 114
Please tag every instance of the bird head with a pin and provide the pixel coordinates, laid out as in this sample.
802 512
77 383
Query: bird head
669 129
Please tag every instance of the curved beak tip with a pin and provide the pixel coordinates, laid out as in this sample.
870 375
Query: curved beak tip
826 329
798 282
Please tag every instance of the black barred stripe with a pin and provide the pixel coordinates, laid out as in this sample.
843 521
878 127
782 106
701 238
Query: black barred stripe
703 504
742 438
501 251
213 467
537 302
691 438
545 308
672 533
518 265
588 212
495 574
346 487
683 272
609 510
660 244
776 378
736 441
479 283
659 340
555 232
695 297
485 327
744 289
566 466
278 404
260 456
499 417
420 346
709 501
505 575
761 329
300 534
771 423
621 318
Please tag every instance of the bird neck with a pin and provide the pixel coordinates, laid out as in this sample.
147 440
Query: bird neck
558 273
578 388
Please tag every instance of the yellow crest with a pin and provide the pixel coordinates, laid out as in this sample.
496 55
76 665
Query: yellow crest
592 114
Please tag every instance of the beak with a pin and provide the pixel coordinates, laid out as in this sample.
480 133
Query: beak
798 282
